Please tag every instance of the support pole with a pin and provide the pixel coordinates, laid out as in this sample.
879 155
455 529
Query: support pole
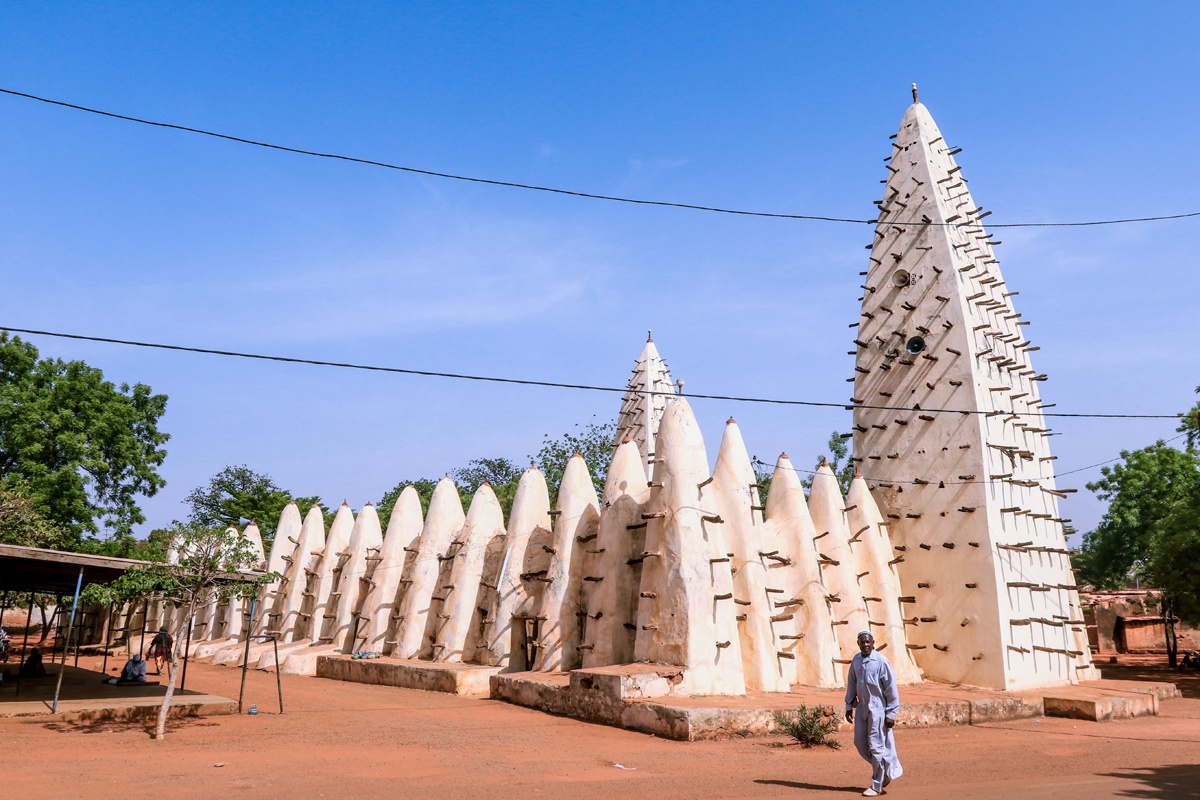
145 613
246 655
25 643
186 649
57 619
107 637
278 680
79 635
70 628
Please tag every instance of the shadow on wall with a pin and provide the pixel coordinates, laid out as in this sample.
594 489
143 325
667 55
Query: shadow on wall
1173 781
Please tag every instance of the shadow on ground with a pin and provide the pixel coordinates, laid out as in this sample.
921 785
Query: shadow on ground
112 726
1169 782
1151 668
812 787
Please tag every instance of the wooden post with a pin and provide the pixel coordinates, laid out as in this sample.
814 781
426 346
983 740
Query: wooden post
25 642
246 655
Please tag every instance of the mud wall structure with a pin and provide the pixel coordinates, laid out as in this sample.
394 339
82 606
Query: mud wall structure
947 545
969 496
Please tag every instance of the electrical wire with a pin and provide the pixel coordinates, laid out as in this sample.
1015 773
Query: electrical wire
570 192
559 385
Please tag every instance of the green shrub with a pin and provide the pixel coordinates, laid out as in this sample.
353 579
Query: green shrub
809 727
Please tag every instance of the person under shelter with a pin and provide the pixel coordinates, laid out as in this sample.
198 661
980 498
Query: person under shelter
33 666
134 670
871 691
160 649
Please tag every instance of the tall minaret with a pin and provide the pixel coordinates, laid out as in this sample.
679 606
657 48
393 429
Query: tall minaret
968 495
641 410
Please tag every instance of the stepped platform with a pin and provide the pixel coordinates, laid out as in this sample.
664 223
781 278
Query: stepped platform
638 697
469 680
85 697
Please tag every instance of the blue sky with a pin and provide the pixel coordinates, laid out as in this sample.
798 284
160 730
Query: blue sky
1065 112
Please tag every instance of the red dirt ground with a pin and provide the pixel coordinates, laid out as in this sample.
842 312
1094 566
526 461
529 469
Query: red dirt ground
351 740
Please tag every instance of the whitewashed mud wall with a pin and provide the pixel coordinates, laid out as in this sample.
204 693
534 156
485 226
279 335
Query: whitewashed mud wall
948 546
969 499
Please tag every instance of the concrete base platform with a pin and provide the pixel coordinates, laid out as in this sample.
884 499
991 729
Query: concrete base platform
1101 701
202 650
639 697
303 661
85 697
450 678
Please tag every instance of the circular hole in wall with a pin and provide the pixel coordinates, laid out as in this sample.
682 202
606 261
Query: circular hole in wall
901 277
915 345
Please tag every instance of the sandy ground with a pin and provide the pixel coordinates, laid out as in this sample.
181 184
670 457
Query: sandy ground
349 740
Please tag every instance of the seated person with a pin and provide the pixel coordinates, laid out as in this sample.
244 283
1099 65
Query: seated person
1186 664
33 666
134 670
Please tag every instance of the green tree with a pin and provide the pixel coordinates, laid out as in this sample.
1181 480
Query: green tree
500 473
239 493
424 487
1175 566
594 441
838 458
1150 530
212 566
85 448
21 522
1141 491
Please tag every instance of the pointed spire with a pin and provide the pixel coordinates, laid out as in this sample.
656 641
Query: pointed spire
646 396
935 282
914 91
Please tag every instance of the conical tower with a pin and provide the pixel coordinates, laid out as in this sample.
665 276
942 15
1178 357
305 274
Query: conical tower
968 494
642 406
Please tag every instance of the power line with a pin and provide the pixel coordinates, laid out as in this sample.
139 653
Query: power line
758 462
559 385
570 192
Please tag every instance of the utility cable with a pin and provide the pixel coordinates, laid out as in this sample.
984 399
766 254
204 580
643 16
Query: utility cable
570 192
558 385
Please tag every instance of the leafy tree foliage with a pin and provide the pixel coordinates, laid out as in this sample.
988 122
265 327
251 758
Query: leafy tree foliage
500 473
424 487
84 448
839 462
1142 491
1151 530
212 566
240 493
1175 567
593 441
21 522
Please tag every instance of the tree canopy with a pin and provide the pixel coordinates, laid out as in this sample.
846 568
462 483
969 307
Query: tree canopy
593 441
83 448
21 522
239 493
1145 489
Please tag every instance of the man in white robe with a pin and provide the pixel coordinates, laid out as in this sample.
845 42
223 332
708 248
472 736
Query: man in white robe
871 689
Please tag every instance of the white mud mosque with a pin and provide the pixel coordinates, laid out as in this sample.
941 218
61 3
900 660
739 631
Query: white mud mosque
949 545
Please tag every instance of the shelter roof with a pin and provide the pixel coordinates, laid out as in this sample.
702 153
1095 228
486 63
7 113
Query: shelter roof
27 569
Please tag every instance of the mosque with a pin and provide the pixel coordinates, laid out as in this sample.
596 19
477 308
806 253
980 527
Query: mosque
948 546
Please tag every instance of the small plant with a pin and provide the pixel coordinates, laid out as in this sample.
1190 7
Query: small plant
809 727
